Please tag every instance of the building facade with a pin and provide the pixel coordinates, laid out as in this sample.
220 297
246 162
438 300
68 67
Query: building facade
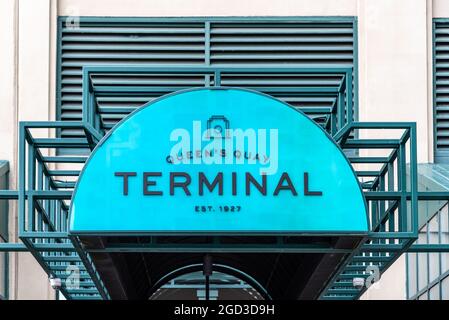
396 51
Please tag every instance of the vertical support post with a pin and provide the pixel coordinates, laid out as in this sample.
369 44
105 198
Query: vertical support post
46 203
39 187
207 271
382 228
341 109
217 80
92 110
382 203
414 179
86 96
207 51
349 96
333 115
207 288
402 188
407 270
21 183
391 222
97 123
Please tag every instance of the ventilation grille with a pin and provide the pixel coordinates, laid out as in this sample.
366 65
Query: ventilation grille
441 83
106 41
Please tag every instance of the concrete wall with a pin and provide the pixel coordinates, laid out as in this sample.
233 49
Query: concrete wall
178 8
393 65
395 79
25 94
392 284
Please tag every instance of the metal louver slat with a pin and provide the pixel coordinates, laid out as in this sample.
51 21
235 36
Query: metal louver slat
197 41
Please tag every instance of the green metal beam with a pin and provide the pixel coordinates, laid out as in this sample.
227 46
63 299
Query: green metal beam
12 247
220 248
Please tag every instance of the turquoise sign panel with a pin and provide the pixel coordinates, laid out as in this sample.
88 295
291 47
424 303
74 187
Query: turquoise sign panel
217 161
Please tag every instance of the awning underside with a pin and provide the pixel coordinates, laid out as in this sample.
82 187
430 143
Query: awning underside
291 268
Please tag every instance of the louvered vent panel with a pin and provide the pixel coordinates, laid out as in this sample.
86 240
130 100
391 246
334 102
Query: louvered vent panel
122 43
441 87
181 42
281 44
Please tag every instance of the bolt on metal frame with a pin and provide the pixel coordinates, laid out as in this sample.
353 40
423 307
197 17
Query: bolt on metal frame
44 194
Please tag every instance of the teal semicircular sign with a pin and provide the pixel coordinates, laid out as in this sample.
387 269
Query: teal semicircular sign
217 161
